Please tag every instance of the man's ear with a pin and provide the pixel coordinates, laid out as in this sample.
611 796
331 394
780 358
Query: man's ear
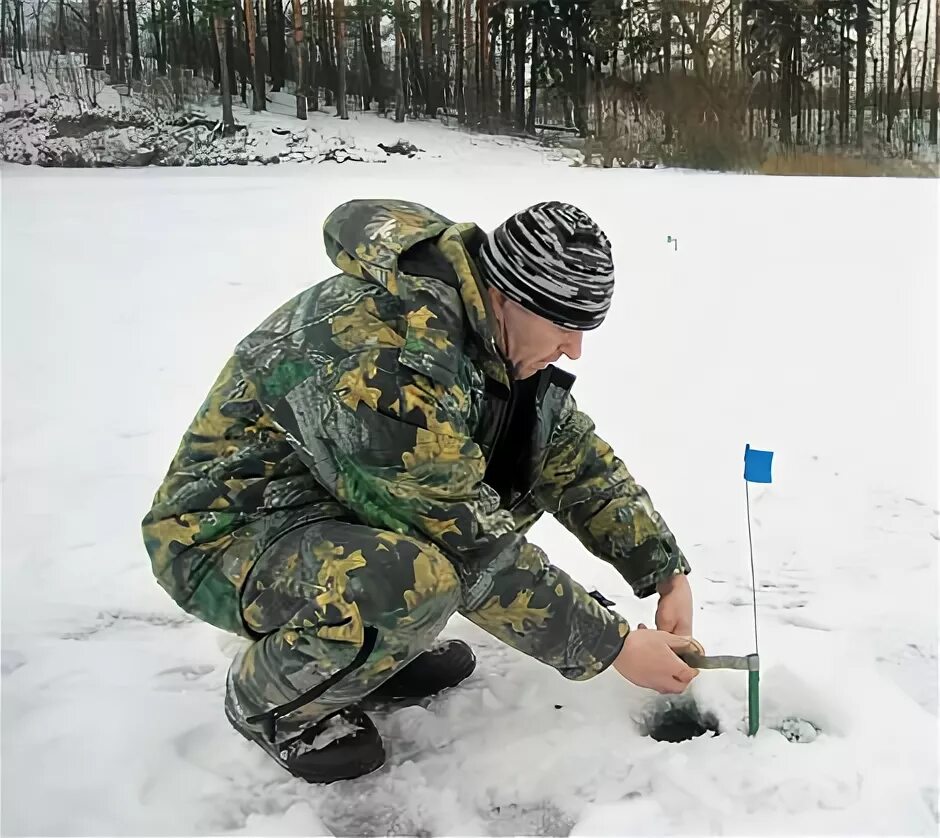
497 298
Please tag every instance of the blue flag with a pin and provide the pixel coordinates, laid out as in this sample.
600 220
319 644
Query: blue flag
757 465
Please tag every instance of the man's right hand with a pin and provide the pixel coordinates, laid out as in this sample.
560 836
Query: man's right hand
648 659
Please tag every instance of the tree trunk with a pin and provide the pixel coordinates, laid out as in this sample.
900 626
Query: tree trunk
731 35
368 47
923 68
444 66
18 36
339 15
892 66
881 55
136 69
258 102
399 69
60 28
427 55
819 106
767 104
95 44
520 17
909 27
197 43
440 82
277 49
665 28
797 76
122 42
382 78
505 110
238 52
459 94
598 105
257 76
327 47
466 33
786 87
185 45
483 64
534 69
162 60
491 71
936 93
301 89
228 121
111 23
3 35
861 28
843 77
215 53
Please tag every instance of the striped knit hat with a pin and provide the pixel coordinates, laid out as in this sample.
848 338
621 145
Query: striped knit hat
555 261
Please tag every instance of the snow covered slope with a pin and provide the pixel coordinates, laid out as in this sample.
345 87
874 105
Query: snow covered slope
777 322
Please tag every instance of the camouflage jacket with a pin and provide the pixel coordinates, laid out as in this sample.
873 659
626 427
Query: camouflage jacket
379 396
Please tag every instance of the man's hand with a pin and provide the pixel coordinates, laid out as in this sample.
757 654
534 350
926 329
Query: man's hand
674 612
648 659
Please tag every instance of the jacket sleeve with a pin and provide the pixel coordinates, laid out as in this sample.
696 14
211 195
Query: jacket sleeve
393 446
589 490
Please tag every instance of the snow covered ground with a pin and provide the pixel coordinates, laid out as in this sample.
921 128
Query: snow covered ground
777 322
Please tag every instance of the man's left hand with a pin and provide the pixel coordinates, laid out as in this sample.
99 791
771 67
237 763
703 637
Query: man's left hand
674 612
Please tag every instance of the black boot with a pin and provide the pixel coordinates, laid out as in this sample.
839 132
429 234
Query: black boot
341 747
430 672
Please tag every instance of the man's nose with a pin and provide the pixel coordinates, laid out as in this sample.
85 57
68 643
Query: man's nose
572 347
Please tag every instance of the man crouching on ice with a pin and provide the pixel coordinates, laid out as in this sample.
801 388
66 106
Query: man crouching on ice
369 461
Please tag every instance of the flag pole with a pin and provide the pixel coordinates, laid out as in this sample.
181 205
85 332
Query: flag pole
756 468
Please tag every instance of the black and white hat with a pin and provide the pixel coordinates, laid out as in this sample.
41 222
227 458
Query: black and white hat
555 261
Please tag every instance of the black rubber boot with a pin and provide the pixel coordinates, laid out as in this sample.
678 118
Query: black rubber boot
430 672
341 747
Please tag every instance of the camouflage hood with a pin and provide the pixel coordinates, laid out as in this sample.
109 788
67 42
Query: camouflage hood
373 240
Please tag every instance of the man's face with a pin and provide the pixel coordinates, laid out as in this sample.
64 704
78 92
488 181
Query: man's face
532 342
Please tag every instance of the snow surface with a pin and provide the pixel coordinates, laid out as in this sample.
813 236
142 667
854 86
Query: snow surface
781 321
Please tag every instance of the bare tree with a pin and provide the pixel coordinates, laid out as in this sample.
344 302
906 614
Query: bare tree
923 66
95 44
228 120
520 17
276 47
936 92
534 69
3 35
892 65
258 100
861 27
459 94
399 64
339 22
136 68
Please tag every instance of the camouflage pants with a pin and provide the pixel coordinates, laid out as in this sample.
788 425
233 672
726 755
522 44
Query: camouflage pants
333 598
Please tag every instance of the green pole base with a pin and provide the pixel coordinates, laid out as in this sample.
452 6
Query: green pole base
753 695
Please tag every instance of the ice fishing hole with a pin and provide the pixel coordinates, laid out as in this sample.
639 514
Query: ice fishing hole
676 719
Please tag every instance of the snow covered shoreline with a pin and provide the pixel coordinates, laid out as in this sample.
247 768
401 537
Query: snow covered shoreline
52 129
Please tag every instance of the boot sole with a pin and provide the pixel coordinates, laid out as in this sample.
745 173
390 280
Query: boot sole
348 770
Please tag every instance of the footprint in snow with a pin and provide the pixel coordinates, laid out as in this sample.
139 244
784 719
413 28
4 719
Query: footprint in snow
181 677
10 661
804 622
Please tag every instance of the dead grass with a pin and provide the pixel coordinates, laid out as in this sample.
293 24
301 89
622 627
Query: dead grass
835 165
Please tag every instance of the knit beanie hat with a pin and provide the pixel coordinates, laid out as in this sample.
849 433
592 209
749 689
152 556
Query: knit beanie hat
553 260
